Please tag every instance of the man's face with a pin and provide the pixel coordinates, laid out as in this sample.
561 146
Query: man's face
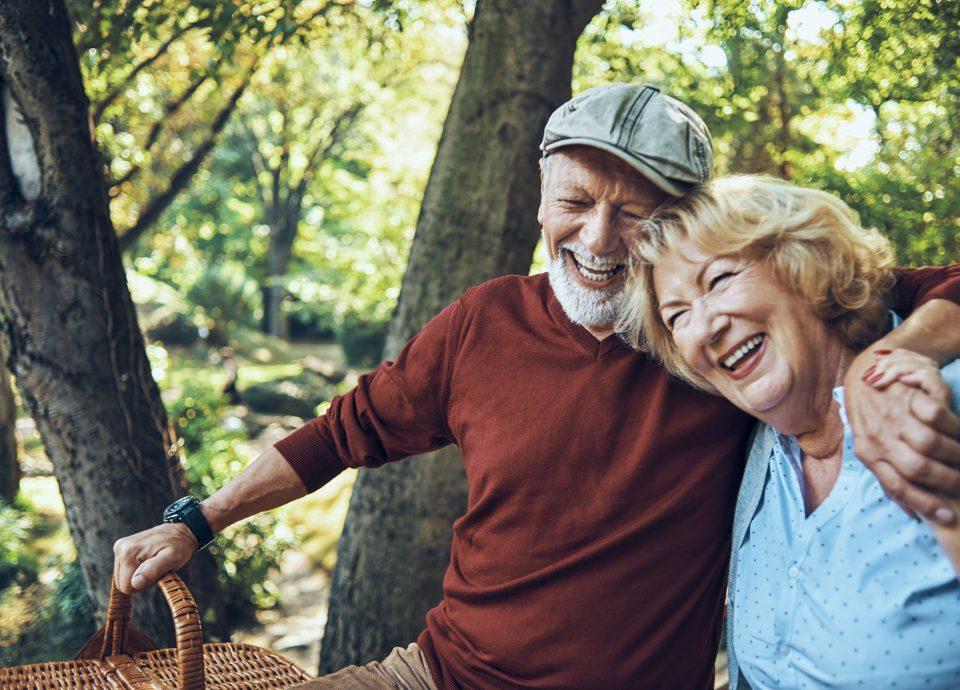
591 202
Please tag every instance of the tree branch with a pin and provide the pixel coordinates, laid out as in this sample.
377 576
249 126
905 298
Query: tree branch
156 206
115 93
169 111
321 151
181 177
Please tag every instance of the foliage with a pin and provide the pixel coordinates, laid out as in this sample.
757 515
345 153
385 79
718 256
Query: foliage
248 551
362 339
225 294
44 610
358 187
858 98
57 622
163 79
17 562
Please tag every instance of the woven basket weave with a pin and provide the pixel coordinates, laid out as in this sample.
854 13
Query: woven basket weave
119 657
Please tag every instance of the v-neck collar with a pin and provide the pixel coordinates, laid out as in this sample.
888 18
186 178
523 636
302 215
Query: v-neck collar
585 340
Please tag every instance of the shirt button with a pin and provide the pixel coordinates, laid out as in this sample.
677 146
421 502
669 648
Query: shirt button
793 571
783 650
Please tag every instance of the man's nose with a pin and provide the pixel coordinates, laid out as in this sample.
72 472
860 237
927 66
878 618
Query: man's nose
601 235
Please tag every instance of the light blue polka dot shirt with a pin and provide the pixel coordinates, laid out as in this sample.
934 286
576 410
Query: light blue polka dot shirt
857 595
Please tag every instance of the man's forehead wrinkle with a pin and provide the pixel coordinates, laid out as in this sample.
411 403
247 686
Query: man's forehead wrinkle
598 171
618 188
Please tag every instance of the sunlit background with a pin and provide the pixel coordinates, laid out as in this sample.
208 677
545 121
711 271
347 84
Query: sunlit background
266 167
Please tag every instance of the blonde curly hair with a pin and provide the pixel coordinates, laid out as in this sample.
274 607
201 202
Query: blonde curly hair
812 241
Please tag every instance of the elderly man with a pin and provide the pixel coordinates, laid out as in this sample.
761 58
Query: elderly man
594 548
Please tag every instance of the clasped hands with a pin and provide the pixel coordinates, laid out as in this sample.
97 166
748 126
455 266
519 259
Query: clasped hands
904 430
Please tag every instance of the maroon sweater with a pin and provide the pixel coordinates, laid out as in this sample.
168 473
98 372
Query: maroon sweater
594 549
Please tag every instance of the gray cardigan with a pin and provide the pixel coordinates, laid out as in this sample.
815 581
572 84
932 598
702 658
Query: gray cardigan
751 490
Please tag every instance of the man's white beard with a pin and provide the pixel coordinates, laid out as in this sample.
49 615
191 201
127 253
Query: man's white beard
582 305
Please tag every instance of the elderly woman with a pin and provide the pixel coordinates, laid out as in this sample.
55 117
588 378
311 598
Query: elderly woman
764 292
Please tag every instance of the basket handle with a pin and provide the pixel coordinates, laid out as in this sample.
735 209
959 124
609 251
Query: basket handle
118 636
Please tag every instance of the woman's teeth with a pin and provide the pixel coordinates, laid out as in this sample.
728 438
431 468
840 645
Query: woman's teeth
597 272
732 360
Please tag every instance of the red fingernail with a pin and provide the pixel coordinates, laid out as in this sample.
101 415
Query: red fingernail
882 352
876 377
868 372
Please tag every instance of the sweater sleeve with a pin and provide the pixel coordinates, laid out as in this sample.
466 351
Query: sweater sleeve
917 286
397 410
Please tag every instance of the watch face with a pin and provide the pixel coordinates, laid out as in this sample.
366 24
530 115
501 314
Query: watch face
177 506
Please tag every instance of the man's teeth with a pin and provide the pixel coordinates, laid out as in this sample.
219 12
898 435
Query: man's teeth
748 347
597 271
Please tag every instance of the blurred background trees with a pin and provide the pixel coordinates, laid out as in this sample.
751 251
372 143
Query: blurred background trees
265 162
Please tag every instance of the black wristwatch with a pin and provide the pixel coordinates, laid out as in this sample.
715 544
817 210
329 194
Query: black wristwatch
187 510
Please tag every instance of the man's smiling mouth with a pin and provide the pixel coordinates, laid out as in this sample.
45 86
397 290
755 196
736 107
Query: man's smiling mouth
742 352
594 271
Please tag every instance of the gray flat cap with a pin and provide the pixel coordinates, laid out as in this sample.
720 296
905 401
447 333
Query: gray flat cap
659 136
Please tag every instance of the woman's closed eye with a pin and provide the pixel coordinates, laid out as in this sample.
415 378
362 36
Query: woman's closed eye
720 277
672 319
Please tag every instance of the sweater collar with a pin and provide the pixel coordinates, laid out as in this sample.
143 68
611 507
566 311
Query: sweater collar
584 339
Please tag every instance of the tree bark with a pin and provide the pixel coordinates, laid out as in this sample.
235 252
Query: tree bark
477 221
9 462
66 317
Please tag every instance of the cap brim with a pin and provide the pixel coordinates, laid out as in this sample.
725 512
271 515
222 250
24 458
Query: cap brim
671 187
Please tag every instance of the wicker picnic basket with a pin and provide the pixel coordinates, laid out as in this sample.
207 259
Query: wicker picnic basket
120 657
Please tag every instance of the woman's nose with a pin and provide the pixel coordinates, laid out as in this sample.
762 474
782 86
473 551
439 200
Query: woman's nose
708 323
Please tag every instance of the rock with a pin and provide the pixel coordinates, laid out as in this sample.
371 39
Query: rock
297 396
323 367
172 329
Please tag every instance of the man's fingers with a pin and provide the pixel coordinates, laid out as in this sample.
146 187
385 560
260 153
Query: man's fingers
931 452
152 569
935 414
143 558
927 505
890 481
912 499
930 382
124 563
930 473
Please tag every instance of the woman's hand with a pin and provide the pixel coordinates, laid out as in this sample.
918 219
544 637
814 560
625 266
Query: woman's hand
910 368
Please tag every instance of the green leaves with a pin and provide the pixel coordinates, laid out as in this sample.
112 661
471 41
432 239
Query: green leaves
857 97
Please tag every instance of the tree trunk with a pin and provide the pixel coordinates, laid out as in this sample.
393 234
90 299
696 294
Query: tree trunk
283 233
66 316
9 462
478 221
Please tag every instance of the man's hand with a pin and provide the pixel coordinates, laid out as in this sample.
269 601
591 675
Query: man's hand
905 434
143 558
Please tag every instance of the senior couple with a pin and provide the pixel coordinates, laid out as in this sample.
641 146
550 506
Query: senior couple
603 486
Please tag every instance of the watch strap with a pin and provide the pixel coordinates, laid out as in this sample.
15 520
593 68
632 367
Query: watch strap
195 521
187 511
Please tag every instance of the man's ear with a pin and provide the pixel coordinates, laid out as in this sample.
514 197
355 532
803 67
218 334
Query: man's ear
542 165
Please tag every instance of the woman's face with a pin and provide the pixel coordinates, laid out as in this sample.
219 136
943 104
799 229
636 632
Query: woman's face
736 325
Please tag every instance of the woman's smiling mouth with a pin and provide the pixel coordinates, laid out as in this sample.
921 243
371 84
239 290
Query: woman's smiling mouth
741 359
